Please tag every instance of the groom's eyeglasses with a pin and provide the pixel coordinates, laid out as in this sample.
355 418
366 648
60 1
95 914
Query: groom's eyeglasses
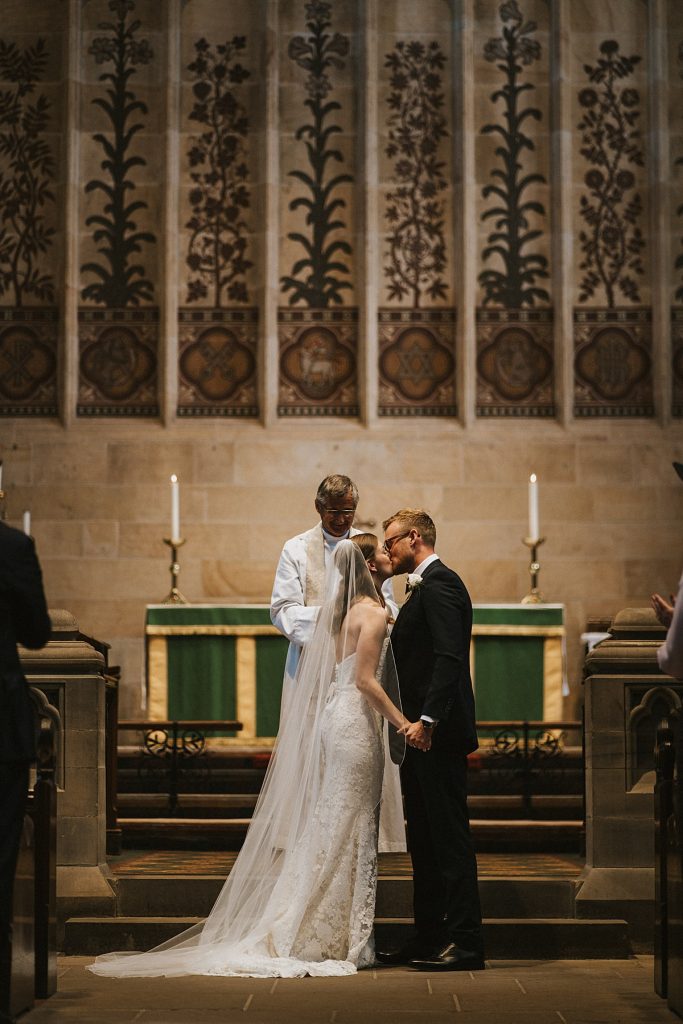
390 541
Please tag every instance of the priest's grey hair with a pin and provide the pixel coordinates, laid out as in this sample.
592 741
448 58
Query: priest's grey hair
336 486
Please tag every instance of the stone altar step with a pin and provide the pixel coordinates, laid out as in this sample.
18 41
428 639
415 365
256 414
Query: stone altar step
229 833
156 896
240 805
506 939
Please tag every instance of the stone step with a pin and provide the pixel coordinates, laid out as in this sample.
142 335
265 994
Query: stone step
229 833
172 895
505 939
241 805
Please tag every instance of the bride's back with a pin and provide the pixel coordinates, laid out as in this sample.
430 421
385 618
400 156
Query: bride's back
364 621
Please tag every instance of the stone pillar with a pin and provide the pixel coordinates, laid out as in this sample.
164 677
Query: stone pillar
626 696
70 673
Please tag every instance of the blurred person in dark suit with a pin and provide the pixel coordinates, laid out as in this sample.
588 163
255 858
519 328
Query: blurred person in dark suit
24 620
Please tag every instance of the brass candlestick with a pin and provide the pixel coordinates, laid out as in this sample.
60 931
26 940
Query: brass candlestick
534 596
174 597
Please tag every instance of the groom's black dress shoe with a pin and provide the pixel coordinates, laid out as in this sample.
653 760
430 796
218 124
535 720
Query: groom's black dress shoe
406 954
450 958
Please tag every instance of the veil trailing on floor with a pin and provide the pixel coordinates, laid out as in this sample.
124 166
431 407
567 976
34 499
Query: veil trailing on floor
253 925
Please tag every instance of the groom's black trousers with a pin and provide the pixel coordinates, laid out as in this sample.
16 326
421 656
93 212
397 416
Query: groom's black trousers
446 894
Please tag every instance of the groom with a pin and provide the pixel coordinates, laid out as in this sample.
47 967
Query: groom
431 642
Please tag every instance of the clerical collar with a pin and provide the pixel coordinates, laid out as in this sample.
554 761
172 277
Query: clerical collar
333 541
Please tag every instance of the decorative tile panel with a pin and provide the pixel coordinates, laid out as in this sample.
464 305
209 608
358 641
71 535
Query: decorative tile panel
118 362
28 362
417 362
515 362
613 362
217 362
318 362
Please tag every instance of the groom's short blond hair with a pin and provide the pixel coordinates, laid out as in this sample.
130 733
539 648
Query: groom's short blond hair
414 519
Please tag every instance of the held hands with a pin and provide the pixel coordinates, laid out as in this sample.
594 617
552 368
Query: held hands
416 735
662 609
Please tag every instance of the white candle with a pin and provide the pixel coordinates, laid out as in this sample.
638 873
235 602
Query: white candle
0 474
175 508
533 508
27 523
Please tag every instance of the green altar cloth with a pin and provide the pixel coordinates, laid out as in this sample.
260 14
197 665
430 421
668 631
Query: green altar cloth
227 661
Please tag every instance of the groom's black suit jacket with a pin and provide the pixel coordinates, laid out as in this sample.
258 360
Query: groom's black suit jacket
431 644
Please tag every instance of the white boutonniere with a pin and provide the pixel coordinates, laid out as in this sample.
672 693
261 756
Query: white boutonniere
413 582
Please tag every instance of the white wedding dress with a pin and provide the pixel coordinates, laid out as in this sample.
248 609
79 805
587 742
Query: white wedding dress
300 898
323 907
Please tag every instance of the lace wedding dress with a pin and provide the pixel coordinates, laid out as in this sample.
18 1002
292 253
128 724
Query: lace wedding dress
300 898
324 906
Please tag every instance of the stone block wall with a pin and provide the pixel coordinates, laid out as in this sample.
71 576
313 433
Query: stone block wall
610 508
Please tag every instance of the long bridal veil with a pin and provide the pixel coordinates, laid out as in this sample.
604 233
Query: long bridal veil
252 927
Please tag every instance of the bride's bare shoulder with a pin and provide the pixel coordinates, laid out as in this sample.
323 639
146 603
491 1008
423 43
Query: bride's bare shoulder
371 614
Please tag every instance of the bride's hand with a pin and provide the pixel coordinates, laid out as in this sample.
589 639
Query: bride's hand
416 736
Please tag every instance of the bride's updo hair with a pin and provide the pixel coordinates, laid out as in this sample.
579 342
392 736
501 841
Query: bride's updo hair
367 542
356 581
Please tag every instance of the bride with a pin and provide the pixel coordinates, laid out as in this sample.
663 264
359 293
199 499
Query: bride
300 898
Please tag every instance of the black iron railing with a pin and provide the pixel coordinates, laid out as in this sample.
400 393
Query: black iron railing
176 747
526 758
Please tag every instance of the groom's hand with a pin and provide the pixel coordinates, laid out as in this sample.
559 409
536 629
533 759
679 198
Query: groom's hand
417 736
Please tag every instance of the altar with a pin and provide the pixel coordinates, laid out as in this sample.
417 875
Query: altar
227 661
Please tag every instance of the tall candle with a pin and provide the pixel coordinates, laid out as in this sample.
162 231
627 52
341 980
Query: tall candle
27 523
175 508
0 474
533 508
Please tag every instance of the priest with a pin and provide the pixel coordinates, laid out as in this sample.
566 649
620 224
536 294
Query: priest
299 585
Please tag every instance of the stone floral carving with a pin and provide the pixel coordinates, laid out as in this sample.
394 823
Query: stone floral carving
515 285
315 278
610 141
119 280
218 242
416 254
27 170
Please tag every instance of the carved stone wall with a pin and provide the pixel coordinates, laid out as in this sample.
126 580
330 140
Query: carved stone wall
184 173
